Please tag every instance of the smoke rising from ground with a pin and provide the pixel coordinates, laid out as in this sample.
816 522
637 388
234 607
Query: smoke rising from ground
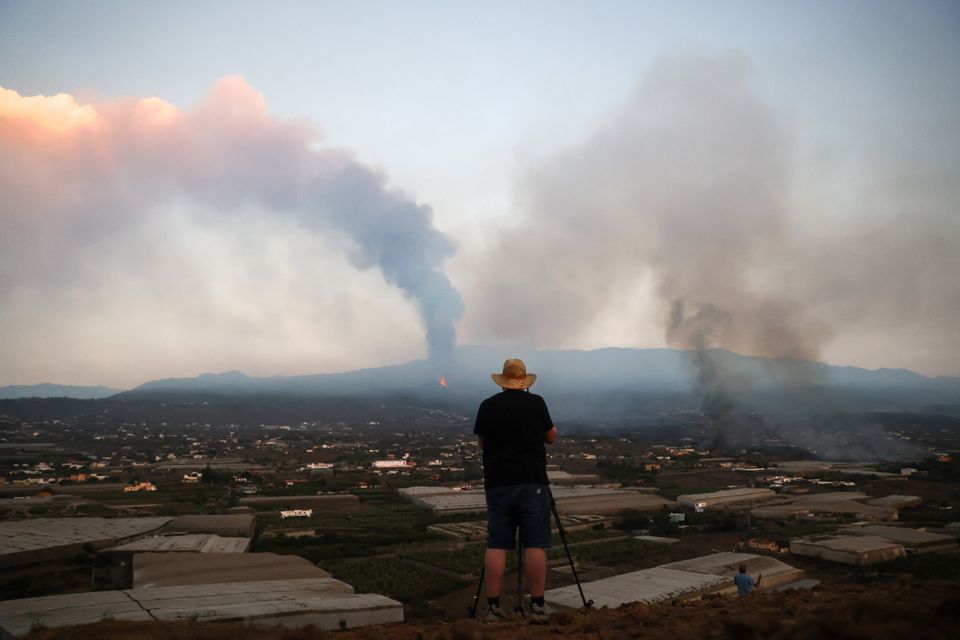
698 186
81 180
690 184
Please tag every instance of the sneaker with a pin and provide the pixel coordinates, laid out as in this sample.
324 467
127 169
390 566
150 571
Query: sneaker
494 614
539 613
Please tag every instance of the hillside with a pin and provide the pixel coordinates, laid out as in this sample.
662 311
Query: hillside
894 609
587 391
47 390
601 383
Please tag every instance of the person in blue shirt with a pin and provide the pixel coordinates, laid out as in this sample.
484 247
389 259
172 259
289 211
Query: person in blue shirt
745 583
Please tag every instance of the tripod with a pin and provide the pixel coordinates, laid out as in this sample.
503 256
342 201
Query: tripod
566 547
472 610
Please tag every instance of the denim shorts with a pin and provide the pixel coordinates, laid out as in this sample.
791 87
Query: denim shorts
523 505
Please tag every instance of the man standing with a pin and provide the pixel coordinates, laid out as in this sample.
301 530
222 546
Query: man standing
745 583
513 427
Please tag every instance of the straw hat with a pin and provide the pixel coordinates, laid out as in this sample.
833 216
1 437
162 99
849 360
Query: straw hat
514 375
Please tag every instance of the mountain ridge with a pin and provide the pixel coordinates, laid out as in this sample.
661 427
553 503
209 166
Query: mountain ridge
612 380
606 380
52 390
240 377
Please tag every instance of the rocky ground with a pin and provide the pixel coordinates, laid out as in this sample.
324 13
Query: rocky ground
895 609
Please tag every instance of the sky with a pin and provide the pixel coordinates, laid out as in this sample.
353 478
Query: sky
303 187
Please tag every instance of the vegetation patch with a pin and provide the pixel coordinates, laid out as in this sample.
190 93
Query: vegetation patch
621 552
944 566
391 577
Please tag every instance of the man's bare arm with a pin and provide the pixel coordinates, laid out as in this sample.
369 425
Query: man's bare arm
550 436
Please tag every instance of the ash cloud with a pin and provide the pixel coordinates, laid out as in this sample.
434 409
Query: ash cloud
695 186
699 186
688 185
75 176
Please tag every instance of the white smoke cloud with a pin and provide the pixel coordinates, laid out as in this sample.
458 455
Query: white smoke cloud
136 227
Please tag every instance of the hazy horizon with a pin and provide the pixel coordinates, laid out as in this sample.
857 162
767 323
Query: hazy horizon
494 366
321 187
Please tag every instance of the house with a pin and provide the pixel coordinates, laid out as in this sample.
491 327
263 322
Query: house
296 513
140 486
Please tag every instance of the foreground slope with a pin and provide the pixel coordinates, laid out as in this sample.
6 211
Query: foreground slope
894 609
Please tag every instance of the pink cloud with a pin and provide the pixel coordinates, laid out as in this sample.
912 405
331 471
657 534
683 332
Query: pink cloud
75 171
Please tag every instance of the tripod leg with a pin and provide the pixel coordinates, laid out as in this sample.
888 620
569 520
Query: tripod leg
476 597
563 539
519 605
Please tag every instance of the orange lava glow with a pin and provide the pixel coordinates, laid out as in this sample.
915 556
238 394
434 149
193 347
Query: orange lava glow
443 381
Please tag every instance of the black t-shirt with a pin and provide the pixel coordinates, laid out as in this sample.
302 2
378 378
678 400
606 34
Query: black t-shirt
513 424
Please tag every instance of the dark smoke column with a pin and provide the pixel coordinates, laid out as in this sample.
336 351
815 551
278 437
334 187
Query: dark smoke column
694 330
397 235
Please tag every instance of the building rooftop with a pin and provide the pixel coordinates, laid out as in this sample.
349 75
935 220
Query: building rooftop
560 476
179 569
321 499
687 578
188 542
896 501
910 538
238 524
727 564
849 543
646 585
856 550
727 496
18 536
839 502
657 539
570 499
323 602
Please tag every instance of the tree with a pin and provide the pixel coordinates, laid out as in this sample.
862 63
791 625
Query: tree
631 519
662 524
212 476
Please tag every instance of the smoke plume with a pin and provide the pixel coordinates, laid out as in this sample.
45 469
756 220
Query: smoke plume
74 176
696 192
695 188
689 185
